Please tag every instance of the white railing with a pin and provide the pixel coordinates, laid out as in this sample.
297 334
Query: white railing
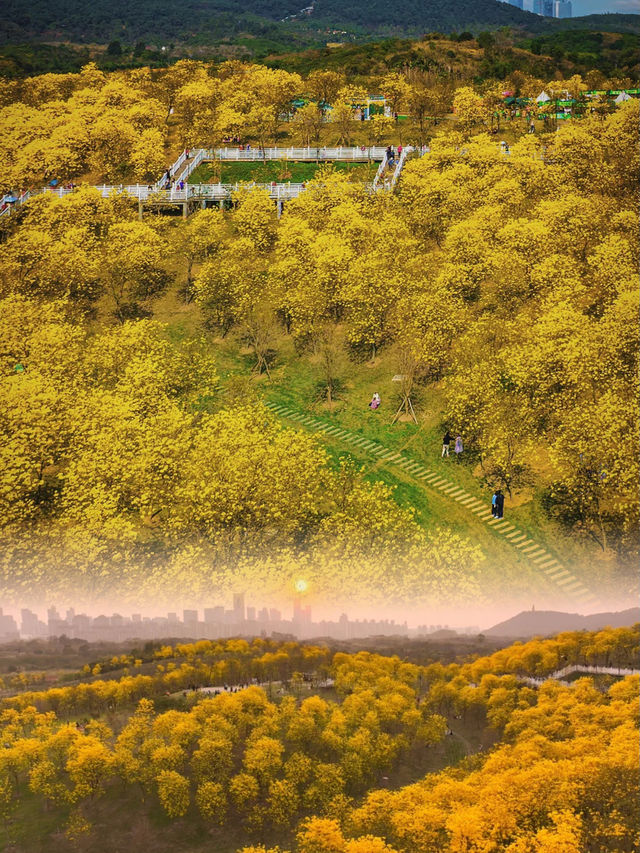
381 170
172 170
7 207
142 192
198 157
181 159
606 670
559 674
217 192
195 192
401 161
361 155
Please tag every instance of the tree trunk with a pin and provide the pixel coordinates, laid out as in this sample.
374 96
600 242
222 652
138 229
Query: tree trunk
603 533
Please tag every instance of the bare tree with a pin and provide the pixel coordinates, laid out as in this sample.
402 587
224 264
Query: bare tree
329 343
259 329
408 365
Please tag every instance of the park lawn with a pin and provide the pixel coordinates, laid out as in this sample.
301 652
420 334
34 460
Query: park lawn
264 172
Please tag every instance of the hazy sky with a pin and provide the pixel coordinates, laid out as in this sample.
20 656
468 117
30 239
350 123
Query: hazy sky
591 7
594 7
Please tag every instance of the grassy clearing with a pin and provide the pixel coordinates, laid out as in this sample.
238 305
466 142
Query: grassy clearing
275 170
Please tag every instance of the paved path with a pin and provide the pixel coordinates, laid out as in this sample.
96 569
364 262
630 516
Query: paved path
541 560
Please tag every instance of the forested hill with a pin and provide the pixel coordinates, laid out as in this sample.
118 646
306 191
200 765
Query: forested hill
214 21
206 21
419 16
531 623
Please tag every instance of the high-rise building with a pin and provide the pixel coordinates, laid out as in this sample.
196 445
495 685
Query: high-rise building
8 626
189 617
562 9
56 626
238 606
297 610
30 625
214 614
517 3
547 8
81 624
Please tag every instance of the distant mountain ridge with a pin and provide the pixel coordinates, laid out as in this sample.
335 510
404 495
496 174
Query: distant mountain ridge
209 22
531 623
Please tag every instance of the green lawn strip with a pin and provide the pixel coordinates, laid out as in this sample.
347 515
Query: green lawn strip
274 170
532 562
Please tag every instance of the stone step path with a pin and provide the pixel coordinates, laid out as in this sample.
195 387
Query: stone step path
540 558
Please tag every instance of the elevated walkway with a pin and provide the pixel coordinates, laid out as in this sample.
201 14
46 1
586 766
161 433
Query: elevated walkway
198 195
584 669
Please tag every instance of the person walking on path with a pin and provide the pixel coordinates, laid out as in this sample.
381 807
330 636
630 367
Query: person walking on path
458 446
493 503
375 402
499 504
446 441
